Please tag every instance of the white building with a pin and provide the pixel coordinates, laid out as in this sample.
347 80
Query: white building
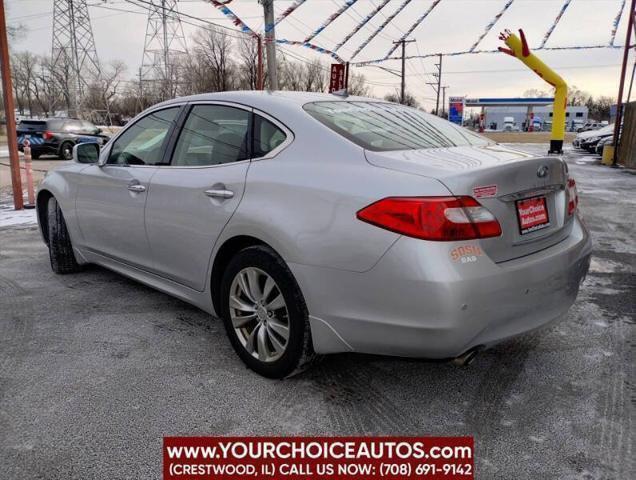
494 117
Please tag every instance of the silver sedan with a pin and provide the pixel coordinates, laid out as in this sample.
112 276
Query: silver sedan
316 224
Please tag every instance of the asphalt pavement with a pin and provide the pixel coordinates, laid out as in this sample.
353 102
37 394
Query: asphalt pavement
95 369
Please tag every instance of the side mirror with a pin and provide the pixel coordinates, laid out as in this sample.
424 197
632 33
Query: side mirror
86 153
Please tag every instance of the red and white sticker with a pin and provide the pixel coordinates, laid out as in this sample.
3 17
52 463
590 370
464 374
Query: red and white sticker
533 214
486 191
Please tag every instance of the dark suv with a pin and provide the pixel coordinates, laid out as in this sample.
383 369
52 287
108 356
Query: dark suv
57 136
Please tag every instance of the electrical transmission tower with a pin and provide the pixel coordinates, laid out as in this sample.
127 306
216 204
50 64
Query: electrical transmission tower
74 57
165 44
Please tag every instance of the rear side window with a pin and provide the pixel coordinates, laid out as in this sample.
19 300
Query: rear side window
73 126
213 135
55 125
267 136
380 126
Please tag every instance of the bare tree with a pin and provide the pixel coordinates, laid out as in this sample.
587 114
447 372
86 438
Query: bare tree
314 77
409 100
248 67
290 75
357 85
24 66
213 50
103 91
46 90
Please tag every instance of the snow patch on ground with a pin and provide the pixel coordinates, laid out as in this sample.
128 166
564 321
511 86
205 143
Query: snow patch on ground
10 217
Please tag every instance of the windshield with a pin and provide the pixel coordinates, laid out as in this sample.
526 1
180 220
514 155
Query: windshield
382 126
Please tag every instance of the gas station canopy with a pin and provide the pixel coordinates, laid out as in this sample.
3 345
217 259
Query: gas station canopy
508 102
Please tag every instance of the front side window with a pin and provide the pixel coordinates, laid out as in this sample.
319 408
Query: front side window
89 128
381 126
213 135
141 144
267 136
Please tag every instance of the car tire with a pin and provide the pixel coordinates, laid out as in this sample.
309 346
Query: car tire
258 340
66 151
35 156
60 249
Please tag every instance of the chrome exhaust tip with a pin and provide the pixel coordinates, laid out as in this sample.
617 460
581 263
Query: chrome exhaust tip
467 358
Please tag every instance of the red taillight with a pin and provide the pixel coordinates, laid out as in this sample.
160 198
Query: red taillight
47 135
573 196
433 218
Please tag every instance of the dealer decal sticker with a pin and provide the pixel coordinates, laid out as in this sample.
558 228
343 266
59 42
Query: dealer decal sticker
466 253
487 191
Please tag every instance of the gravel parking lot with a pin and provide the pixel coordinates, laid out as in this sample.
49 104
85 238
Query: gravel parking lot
95 369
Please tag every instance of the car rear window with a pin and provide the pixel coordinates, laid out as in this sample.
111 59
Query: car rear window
383 126
32 125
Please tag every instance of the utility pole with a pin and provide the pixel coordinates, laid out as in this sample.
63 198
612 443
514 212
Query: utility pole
403 43
619 105
270 43
444 99
9 112
437 86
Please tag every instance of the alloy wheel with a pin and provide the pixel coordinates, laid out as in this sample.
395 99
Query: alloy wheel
259 314
67 152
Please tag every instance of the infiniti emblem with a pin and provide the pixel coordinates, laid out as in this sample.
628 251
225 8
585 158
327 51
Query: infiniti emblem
542 171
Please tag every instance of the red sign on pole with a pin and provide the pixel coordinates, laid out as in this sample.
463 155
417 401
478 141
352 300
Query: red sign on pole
337 81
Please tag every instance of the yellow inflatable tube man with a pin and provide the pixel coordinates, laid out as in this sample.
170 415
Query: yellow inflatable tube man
519 48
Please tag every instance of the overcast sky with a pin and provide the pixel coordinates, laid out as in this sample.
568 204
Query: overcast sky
454 25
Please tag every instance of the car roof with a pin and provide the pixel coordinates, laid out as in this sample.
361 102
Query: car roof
264 99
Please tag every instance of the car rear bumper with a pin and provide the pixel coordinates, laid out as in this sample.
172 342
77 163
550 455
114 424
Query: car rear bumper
418 302
42 149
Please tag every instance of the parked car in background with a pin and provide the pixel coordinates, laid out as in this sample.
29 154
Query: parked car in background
586 139
57 136
602 142
590 143
314 223
590 126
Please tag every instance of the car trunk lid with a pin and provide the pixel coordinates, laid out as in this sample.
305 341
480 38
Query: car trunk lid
500 179
32 130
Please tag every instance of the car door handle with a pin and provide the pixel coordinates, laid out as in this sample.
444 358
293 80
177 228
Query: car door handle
219 193
135 187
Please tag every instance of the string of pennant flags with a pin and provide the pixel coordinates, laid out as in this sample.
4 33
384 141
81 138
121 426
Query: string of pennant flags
617 20
291 9
313 47
225 10
347 5
413 27
380 28
490 25
308 42
476 52
556 20
364 21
